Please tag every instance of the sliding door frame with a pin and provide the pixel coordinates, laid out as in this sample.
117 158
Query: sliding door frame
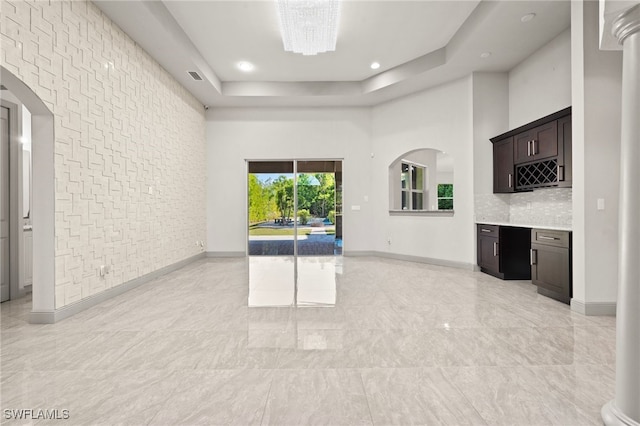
295 193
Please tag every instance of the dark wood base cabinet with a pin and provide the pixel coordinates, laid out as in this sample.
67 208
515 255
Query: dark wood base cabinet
551 263
503 251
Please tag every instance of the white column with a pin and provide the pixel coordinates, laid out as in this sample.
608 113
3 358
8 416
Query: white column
625 408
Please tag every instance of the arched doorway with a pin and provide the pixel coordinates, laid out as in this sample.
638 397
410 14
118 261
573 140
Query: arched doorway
43 187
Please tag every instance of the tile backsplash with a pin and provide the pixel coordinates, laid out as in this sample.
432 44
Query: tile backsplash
543 207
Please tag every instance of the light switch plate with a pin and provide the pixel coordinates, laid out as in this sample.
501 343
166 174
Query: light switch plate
355 207
600 203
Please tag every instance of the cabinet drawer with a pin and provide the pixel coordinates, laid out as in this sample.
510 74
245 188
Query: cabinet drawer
551 238
490 230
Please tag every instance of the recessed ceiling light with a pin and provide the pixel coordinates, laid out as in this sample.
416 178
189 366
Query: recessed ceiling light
485 55
245 66
375 65
528 17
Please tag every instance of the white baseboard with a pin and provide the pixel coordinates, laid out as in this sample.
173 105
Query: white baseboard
594 308
358 253
226 254
418 259
52 317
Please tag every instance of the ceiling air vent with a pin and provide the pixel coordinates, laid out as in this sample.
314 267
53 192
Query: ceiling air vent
195 75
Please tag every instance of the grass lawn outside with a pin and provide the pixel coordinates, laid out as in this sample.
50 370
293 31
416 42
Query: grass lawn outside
276 231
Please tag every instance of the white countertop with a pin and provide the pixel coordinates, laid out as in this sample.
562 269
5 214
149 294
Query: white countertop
528 225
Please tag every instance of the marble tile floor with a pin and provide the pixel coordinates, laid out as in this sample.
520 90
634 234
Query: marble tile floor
404 343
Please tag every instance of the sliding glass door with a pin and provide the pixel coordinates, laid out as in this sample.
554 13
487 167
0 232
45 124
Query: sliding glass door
295 207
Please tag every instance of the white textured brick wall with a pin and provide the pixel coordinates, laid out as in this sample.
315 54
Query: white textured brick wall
122 124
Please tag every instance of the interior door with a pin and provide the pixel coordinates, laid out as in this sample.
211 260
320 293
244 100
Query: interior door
4 204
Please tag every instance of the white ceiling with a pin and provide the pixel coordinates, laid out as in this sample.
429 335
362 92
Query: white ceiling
368 31
419 44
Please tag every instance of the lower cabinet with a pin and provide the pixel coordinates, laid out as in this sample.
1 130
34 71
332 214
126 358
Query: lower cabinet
550 259
503 251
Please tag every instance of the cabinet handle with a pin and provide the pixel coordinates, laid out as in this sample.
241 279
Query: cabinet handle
560 173
528 148
544 237
495 248
533 147
533 256
510 182
485 230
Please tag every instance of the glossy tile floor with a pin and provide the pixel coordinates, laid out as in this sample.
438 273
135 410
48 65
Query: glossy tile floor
376 342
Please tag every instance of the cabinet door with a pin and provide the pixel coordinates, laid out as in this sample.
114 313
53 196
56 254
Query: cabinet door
488 256
545 141
522 147
536 144
503 173
551 269
565 151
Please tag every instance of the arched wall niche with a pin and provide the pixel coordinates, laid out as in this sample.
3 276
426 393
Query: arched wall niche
421 180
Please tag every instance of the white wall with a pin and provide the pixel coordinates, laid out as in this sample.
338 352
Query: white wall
490 118
597 87
122 124
541 84
237 135
438 118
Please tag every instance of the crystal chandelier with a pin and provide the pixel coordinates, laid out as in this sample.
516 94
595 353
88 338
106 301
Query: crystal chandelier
309 26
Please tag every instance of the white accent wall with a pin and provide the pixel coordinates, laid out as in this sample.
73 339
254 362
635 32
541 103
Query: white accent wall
122 125
235 135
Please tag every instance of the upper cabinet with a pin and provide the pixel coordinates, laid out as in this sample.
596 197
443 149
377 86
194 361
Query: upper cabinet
503 175
535 155
537 143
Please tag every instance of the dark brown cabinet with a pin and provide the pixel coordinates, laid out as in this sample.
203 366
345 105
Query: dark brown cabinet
537 143
503 178
535 155
565 153
503 251
550 259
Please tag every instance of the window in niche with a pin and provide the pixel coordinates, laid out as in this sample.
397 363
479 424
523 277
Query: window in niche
445 196
412 185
